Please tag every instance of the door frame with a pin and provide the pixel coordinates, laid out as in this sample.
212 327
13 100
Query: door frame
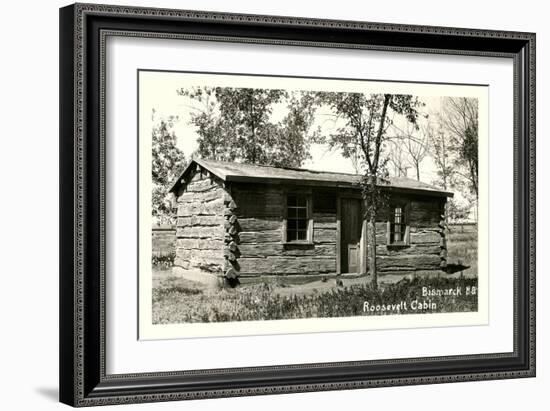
362 241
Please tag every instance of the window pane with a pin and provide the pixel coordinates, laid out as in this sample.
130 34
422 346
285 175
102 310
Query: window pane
291 235
302 224
398 214
292 224
398 223
297 217
291 200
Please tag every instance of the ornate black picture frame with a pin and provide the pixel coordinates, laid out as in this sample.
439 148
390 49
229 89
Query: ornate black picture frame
83 30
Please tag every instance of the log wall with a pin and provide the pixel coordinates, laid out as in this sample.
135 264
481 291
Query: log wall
199 227
237 231
427 249
260 211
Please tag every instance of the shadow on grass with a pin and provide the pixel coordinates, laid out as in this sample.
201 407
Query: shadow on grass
455 268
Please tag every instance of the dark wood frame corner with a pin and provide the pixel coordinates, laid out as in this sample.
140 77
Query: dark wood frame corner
83 30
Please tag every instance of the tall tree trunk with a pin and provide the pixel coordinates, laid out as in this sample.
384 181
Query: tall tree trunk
253 131
371 231
372 250
373 197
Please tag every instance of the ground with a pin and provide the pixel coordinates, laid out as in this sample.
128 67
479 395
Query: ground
462 247
176 300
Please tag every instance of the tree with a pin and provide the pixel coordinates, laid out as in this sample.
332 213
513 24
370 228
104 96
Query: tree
168 160
456 212
294 133
440 145
248 111
460 119
212 131
468 150
397 158
416 145
366 118
236 124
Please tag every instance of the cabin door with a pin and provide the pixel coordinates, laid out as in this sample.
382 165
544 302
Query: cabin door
350 235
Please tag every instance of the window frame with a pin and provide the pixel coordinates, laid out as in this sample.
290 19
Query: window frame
309 218
405 207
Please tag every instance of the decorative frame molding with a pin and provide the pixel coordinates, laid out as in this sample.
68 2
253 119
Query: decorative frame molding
83 32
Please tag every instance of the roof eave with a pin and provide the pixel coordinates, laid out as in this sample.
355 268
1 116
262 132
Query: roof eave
181 179
303 182
433 193
293 181
334 184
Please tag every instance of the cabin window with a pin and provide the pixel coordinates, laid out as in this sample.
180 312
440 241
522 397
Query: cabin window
398 225
298 218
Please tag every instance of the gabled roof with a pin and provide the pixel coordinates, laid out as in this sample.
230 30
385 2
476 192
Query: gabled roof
251 173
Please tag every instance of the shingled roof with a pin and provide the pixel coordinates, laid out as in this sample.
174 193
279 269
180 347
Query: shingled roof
251 173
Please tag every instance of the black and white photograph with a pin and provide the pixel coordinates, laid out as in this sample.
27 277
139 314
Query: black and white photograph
276 198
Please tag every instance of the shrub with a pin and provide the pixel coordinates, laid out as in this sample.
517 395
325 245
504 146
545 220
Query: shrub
163 261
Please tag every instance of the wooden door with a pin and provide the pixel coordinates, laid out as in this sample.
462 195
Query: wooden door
351 224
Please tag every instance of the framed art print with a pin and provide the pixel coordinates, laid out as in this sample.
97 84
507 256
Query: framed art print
260 204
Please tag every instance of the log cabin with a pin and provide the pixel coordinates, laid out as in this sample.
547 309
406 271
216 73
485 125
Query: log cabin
242 222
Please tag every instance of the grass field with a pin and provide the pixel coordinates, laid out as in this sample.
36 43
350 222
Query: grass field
182 301
176 300
462 247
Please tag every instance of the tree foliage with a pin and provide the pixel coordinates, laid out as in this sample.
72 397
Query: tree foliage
236 124
167 162
460 120
295 132
453 147
441 153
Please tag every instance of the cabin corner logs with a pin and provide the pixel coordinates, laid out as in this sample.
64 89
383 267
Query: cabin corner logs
231 238
199 227
235 231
